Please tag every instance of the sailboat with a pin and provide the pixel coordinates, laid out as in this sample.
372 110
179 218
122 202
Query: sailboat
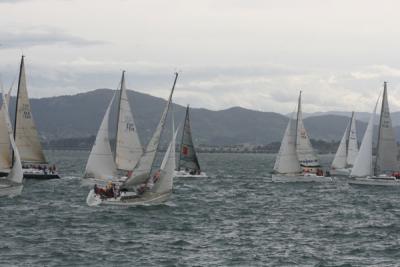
26 137
146 185
347 150
386 167
296 160
103 165
12 184
188 164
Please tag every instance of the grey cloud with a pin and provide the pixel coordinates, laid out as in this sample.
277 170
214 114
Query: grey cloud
41 36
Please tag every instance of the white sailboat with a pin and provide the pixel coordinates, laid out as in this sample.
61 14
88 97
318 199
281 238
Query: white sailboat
386 164
156 186
188 163
288 167
347 150
102 164
12 184
26 136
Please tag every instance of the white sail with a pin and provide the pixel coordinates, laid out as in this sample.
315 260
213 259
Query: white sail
305 152
352 143
26 135
128 148
386 157
167 168
16 174
363 163
101 163
143 168
286 160
5 143
340 160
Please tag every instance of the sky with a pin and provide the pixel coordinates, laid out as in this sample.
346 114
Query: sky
256 54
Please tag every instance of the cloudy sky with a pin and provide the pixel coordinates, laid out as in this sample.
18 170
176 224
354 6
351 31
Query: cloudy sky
252 53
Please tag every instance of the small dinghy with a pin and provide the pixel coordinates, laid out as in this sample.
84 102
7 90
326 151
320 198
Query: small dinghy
347 151
295 142
103 165
35 165
386 169
144 186
12 184
188 164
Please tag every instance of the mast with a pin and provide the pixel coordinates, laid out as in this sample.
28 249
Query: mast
297 117
118 114
183 133
169 103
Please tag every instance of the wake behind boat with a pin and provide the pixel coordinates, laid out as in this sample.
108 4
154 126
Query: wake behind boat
385 170
188 164
146 186
287 167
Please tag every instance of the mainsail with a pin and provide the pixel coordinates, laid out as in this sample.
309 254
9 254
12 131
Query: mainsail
25 133
363 163
386 157
143 168
5 143
286 160
340 160
352 143
305 152
187 156
101 163
128 148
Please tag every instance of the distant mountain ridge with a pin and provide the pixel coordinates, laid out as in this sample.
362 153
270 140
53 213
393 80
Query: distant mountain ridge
79 116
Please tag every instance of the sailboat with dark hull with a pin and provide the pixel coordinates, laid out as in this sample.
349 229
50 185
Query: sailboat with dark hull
188 164
385 170
34 163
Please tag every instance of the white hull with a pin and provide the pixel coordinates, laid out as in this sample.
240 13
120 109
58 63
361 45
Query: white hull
380 180
9 190
95 200
281 178
184 174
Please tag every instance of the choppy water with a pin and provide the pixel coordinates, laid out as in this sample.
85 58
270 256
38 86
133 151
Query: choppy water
237 217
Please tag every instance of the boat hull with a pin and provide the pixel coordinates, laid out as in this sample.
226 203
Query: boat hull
10 189
281 178
151 199
183 174
379 181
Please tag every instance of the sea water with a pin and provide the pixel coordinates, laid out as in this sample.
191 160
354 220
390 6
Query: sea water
236 217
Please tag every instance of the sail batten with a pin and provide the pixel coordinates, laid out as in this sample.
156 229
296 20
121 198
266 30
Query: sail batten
25 132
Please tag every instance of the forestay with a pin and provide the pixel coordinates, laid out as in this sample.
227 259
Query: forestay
101 163
26 135
305 152
286 160
187 156
386 157
128 148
